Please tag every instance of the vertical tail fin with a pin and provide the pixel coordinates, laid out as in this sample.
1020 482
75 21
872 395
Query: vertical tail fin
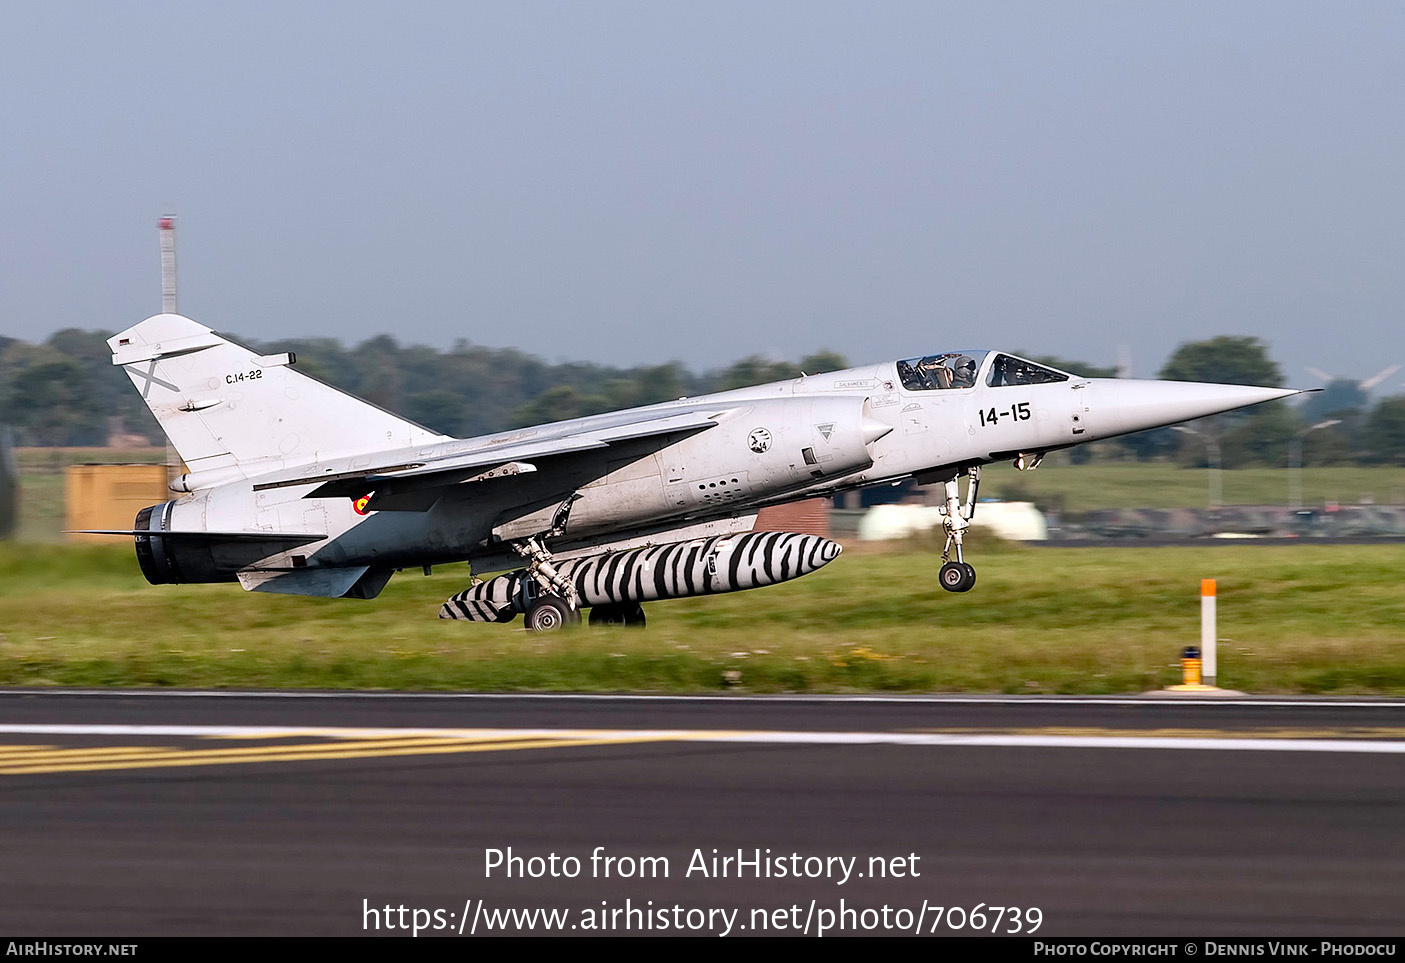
226 408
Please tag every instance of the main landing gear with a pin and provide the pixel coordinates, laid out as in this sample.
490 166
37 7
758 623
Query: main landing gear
957 575
550 599
618 613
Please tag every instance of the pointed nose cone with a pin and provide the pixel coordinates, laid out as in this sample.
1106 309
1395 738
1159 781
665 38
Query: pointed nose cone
1116 407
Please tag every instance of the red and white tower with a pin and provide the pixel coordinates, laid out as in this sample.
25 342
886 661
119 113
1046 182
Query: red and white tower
167 227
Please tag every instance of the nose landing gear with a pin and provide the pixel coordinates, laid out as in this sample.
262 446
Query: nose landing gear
956 575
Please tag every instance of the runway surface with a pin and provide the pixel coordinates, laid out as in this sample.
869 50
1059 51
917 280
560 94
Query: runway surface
279 813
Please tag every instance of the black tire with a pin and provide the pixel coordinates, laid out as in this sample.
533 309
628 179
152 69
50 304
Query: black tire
970 577
618 613
549 613
953 577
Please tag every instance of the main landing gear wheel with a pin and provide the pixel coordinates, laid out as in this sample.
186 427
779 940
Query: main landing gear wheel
550 612
618 613
957 577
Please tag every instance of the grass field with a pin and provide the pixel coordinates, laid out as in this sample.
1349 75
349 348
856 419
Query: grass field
42 481
1080 488
1071 489
1300 619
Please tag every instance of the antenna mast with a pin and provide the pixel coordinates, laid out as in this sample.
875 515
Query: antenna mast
167 226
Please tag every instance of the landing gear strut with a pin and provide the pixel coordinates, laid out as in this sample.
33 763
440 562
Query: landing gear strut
550 599
957 575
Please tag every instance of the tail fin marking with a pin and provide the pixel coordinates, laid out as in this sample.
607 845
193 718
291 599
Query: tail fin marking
225 407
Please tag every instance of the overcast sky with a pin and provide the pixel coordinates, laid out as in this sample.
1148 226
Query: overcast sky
639 182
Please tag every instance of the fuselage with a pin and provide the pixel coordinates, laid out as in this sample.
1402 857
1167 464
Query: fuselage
815 435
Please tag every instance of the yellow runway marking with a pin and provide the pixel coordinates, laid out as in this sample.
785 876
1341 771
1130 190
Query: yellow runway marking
475 735
21 755
93 759
209 745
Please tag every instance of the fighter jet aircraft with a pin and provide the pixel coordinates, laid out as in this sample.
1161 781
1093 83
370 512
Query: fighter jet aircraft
293 486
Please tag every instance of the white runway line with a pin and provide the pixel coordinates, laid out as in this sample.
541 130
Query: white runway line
1153 700
983 740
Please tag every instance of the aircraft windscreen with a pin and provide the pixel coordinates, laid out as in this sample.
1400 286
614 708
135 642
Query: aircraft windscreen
1009 370
955 369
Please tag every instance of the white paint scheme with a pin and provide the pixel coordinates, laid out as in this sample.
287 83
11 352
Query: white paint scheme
277 459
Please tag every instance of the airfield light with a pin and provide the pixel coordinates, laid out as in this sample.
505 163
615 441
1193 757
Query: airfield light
1190 666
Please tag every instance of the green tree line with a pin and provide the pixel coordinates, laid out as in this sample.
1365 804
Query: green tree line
66 391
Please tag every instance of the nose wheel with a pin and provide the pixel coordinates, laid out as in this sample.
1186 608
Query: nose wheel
957 576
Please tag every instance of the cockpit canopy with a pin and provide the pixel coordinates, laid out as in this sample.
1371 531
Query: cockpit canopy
955 369
960 369
1010 370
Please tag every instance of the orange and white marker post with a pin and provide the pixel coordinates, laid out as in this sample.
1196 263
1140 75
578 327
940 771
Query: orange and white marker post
1207 631
1198 665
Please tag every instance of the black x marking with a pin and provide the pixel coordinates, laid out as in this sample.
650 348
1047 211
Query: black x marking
150 375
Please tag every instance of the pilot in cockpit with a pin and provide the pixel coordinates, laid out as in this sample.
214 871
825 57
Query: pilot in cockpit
947 371
963 372
933 373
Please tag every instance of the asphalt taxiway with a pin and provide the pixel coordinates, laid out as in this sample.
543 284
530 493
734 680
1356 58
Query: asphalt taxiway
173 813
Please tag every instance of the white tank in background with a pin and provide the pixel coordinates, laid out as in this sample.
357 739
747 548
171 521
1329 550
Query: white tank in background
1013 521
